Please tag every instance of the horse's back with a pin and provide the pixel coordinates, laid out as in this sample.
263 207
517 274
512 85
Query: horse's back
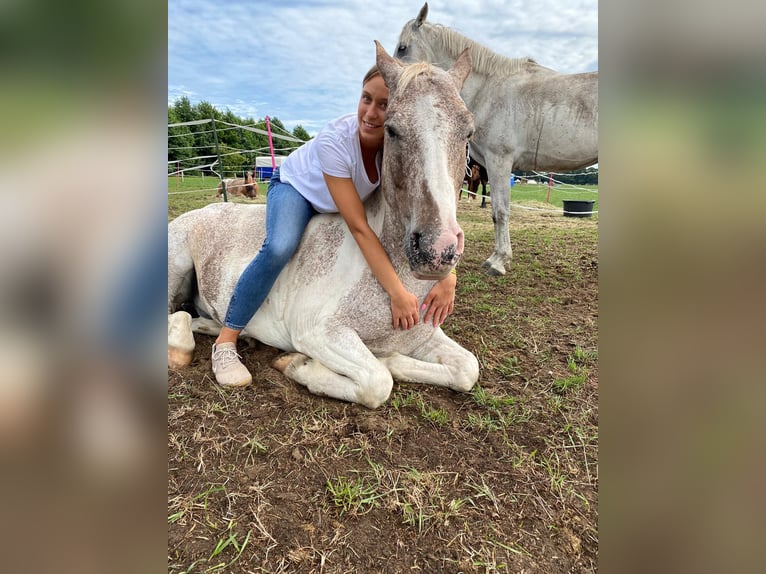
240 228
559 89
221 239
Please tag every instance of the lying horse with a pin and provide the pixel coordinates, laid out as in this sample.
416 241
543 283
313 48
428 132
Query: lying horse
326 308
528 117
246 187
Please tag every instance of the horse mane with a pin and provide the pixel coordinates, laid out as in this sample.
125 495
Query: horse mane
412 71
483 60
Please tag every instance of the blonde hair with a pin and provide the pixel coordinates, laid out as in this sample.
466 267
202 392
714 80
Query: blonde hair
410 72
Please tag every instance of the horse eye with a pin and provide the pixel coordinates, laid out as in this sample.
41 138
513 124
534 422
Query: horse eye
402 49
470 134
392 133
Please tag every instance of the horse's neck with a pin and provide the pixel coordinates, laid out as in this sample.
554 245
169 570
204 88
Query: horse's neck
385 225
488 66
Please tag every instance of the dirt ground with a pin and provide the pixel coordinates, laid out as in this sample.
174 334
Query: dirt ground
272 479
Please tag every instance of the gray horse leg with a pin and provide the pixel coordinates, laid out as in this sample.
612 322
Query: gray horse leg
495 264
501 200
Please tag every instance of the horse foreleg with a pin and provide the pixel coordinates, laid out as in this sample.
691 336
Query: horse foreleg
370 389
440 361
501 200
343 369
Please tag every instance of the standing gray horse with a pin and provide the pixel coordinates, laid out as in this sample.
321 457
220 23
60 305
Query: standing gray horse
527 116
327 308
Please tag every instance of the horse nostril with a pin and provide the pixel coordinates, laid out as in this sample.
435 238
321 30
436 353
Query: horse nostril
460 243
415 241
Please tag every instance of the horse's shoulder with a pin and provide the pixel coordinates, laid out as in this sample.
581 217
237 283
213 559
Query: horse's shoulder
319 250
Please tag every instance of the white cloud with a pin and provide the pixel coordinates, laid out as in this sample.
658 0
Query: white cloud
303 61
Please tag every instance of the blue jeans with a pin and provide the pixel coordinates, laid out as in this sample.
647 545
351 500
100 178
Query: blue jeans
287 215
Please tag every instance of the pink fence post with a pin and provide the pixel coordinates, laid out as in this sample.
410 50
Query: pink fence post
550 184
271 144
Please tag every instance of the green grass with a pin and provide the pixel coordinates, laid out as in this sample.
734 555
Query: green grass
351 495
437 416
577 365
490 401
229 539
570 382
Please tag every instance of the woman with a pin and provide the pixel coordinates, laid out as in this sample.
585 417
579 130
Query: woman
332 173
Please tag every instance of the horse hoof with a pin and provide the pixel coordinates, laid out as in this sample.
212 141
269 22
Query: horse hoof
492 269
283 361
178 358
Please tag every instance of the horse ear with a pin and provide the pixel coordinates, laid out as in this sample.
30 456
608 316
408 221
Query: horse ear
462 68
389 68
422 15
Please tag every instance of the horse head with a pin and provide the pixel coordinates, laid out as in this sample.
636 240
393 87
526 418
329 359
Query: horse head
426 130
411 46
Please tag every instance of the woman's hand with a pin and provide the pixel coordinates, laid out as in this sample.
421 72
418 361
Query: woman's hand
440 300
404 309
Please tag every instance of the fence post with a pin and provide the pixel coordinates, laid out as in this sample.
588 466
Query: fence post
271 144
550 184
220 163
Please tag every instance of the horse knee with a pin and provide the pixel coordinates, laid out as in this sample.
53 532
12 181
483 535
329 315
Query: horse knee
467 376
463 385
374 392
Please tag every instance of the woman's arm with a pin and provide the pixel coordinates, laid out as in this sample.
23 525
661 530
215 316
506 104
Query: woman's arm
404 305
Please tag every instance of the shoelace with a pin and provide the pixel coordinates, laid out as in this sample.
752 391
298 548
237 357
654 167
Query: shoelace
225 357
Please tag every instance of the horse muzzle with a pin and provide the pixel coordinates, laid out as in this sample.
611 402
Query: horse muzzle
433 256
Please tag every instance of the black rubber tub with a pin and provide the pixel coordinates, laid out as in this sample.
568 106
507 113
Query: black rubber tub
578 207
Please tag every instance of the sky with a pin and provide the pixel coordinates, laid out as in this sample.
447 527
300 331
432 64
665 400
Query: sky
302 61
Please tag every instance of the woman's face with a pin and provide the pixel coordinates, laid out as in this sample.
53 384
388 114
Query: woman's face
372 112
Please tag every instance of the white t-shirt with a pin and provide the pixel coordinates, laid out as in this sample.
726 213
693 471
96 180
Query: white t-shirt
335 151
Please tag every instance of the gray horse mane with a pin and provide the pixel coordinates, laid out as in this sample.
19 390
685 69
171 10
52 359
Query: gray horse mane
484 60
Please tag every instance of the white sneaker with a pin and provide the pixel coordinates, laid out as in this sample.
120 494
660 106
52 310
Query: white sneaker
228 369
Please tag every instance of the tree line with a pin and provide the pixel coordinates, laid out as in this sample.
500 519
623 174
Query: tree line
194 141
187 142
